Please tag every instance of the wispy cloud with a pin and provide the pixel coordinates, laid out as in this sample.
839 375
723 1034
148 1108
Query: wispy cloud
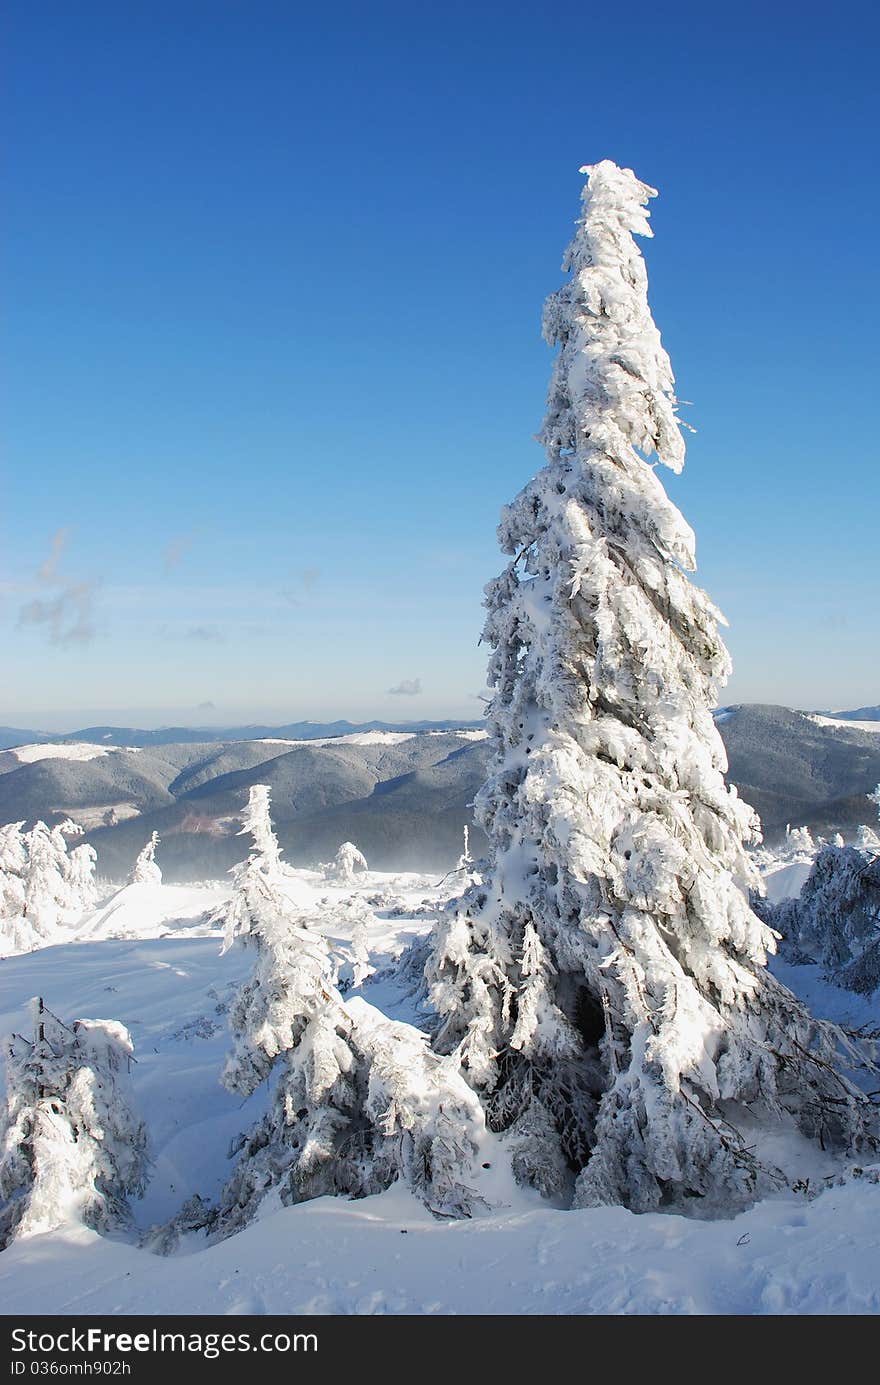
57 544
67 616
205 634
175 551
206 707
408 687
303 585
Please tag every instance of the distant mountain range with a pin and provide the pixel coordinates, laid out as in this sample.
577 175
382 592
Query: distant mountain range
11 736
402 791
203 735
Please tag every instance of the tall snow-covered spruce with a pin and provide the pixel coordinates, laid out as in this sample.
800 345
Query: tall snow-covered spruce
604 984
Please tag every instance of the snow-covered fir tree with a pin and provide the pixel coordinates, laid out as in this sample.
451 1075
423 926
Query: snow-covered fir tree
256 890
46 886
799 844
353 1105
835 921
81 883
42 882
345 864
16 934
867 839
146 871
836 918
72 1147
604 985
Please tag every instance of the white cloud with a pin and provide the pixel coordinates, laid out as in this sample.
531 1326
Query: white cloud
408 687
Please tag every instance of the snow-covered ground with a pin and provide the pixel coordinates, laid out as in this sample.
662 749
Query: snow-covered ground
374 738
150 957
842 721
72 750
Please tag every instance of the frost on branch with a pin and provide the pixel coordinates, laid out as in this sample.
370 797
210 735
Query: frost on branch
71 1146
604 985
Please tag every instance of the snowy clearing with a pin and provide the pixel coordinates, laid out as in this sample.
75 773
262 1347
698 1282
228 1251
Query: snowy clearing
870 726
373 738
75 750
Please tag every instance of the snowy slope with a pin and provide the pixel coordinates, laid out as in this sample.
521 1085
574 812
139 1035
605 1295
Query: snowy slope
333 1257
854 725
75 750
372 738
151 958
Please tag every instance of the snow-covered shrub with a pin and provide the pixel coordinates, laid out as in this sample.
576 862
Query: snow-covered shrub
604 986
345 864
71 1146
146 871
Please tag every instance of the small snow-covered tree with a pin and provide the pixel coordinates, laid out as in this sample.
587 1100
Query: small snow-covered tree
288 1007
799 844
71 1146
46 888
42 882
80 876
465 860
256 821
256 881
361 966
835 921
146 871
604 985
866 837
13 853
323 1131
13 861
345 864
291 983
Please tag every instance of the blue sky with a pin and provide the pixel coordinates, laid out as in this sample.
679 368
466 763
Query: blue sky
273 278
